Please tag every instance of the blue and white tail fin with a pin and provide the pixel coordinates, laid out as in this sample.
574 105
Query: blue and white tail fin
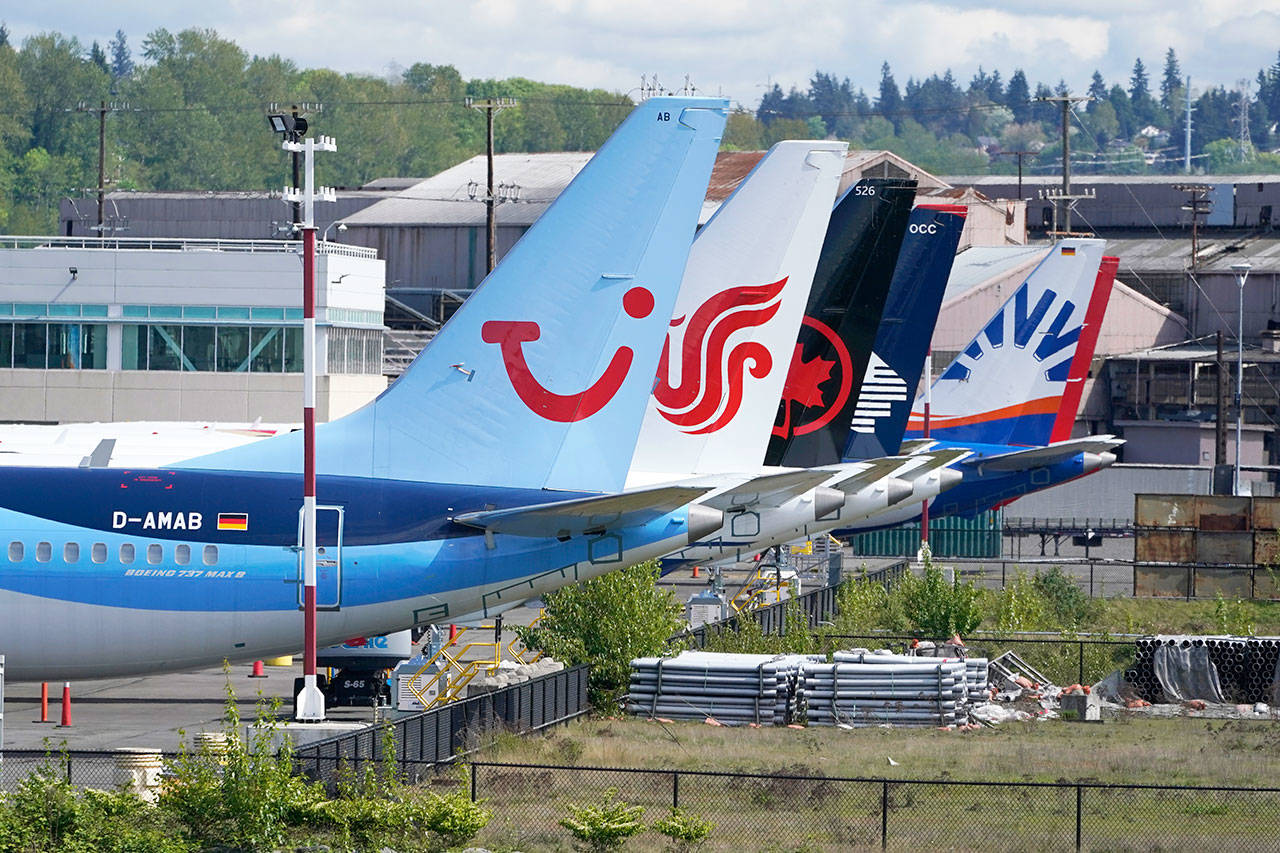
738 314
541 378
906 328
1008 384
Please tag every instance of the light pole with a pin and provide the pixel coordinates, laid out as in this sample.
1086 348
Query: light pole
309 703
1242 272
342 226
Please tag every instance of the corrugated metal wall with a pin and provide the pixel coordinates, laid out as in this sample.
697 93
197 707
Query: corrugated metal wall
949 536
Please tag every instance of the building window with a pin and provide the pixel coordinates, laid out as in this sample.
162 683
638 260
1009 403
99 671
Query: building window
182 554
266 349
155 553
29 345
355 351
292 349
126 553
233 349
71 552
99 552
164 348
133 348
211 555
6 345
198 346
44 552
15 552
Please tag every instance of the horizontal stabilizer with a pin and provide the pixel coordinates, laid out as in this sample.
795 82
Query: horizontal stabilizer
1035 457
877 469
580 515
770 490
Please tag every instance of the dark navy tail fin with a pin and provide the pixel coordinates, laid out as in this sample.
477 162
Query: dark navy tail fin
910 314
839 328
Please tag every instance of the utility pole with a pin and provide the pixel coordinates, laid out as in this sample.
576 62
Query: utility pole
490 106
102 109
1242 108
1198 204
1019 155
1187 145
1064 198
1220 415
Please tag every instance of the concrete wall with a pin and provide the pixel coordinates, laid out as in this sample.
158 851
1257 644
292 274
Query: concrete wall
72 396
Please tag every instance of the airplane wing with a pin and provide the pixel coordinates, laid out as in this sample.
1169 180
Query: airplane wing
1033 457
582 515
769 490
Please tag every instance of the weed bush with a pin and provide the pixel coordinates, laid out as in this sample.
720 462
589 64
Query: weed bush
685 829
605 826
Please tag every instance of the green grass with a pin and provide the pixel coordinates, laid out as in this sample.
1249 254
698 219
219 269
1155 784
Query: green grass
821 814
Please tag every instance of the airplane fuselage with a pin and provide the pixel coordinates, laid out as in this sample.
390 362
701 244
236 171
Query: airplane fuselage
110 572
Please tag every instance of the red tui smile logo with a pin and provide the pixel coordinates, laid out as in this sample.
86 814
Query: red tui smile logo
512 335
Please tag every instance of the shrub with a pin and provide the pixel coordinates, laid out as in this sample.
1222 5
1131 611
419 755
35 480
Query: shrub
606 826
684 828
935 608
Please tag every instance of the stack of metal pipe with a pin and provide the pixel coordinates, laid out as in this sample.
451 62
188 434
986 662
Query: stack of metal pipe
729 688
1247 668
975 676
865 688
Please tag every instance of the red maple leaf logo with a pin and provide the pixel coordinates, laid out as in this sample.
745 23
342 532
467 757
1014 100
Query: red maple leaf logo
803 385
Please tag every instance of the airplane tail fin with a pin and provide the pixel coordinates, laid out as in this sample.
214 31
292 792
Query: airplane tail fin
910 314
540 379
737 315
839 328
1009 384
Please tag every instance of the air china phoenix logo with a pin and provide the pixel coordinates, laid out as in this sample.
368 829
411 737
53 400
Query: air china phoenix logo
1054 349
512 335
818 382
713 373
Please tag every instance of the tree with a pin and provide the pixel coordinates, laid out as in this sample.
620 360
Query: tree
99 57
889 104
606 622
121 61
1170 81
1125 118
1018 96
1144 106
742 132
1097 89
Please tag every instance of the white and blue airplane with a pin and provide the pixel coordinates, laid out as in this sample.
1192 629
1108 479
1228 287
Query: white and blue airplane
490 472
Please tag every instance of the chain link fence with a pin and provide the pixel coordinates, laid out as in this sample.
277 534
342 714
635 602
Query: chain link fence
101 770
779 811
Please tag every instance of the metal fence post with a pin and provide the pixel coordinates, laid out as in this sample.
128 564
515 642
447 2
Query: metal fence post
68 768
1079 813
1080 678
675 790
473 783
884 814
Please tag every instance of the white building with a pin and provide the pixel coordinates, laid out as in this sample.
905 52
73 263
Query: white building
117 329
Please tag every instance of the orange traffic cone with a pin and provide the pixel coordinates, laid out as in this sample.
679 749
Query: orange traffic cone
257 670
66 705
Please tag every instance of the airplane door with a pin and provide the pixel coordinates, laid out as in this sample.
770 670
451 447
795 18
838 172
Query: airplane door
328 558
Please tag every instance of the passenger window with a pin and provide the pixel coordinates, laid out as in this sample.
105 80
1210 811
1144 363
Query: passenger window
99 552
71 552
182 554
126 553
15 552
44 552
211 555
155 553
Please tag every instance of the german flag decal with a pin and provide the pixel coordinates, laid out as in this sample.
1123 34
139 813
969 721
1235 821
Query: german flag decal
1068 250
233 521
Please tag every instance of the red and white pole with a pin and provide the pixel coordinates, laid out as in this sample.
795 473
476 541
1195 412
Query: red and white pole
928 400
309 704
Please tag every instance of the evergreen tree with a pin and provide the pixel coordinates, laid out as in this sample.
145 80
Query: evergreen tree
995 89
1171 81
889 104
121 62
1097 88
4 35
99 57
1125 119
1018 97
771 105
1144 106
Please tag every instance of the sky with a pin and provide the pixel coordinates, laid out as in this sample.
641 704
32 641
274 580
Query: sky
734 48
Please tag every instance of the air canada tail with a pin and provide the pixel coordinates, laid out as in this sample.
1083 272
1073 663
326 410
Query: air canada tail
737 315
1010 383
541 378
906 328
839 328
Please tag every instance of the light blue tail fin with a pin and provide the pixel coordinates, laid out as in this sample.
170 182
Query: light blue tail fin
540 380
